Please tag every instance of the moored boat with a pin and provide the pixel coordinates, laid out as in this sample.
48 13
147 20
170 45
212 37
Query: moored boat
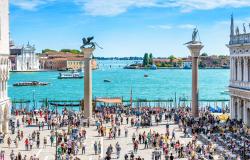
73 75
31 83
105 80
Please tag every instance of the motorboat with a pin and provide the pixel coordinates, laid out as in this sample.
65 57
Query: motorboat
30 83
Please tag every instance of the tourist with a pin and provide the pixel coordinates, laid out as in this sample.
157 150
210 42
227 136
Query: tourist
126 157
26 142
83 146
126 132
9 142
2 155
99 148
118 150
31 144
44 142
51 140
95 148
16 142
12 155
19 156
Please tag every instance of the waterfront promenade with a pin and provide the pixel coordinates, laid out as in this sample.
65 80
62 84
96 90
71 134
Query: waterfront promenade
48 153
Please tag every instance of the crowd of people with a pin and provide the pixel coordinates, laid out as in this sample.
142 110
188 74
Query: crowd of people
68 135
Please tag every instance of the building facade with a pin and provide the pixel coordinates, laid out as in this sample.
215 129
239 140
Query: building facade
63 61
187 64
239 88
78 64
27 60
4 65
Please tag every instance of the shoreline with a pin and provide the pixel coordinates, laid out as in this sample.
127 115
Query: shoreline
172 68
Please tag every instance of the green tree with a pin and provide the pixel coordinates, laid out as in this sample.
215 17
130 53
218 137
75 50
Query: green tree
204 54
65 50
48 50
145 60
151 59
75 51
172 58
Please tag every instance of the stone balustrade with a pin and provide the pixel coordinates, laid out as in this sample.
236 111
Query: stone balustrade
240 84
240 39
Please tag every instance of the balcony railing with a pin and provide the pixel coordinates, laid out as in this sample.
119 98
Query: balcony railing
240 85
240 39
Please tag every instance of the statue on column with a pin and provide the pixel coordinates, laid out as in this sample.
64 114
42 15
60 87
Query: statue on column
194 37
87 43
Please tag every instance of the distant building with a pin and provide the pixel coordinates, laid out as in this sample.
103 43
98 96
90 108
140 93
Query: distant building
63 61
187 64
23 58
239 88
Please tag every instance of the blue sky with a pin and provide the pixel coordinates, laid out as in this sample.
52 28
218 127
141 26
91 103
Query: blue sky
127 27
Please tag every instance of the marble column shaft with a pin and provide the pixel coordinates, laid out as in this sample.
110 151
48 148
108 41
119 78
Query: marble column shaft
87 88
245 69
195 49
88 82
195 89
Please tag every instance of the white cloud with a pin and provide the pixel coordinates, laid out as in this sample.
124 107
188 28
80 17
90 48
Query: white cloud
166 26
160 26
111 7
29 4
186 26
116 7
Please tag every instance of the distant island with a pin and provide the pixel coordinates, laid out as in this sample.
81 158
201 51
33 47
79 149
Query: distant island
172 62
52 59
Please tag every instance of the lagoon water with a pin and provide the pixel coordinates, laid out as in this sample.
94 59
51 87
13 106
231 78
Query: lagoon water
160 84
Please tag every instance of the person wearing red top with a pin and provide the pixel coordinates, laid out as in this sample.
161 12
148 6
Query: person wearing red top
26 142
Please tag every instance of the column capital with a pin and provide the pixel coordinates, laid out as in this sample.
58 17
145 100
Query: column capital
195 49
87 52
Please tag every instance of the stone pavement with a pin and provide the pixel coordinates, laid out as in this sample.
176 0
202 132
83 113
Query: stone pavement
48 152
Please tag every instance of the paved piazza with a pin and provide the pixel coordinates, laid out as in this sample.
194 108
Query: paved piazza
126 144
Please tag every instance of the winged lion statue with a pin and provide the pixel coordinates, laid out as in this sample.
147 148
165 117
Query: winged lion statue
87 43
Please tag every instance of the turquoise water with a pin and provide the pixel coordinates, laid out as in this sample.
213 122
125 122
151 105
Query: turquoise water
161 84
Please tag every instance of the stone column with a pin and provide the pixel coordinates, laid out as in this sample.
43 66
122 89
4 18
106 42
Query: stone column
239 109
87 82
232 111
234 69
5 125
239 69
245 111
1 89
245 69
195 49
231 68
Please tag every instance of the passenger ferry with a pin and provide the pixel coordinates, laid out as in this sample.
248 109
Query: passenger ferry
73 75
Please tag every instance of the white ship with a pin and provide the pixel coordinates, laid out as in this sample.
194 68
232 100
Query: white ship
67 75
